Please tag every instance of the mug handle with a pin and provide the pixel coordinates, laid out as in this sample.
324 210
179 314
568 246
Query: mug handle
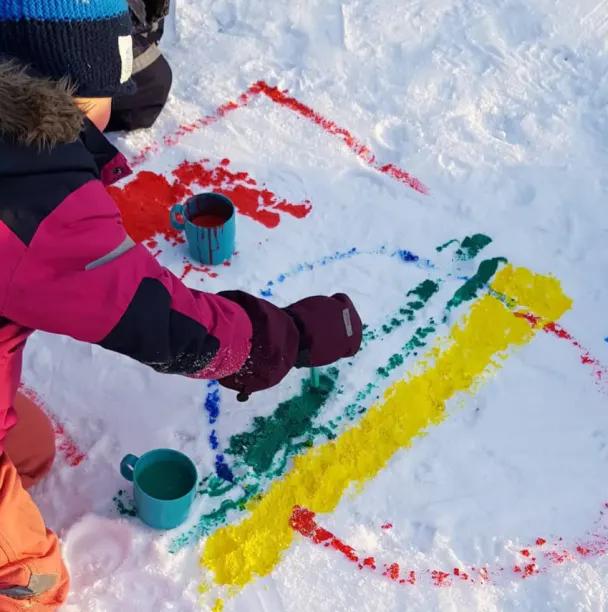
127 466
176 211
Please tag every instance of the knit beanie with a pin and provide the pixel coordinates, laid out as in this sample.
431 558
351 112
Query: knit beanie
88 41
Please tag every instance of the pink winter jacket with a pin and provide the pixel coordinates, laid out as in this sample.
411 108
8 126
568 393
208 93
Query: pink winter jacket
67 265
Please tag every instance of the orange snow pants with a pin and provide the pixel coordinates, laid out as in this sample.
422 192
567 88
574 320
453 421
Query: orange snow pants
32 574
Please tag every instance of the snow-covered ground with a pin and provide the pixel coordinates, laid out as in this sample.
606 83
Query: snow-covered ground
498 108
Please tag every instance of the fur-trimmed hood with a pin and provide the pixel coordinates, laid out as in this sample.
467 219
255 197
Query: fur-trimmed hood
35 111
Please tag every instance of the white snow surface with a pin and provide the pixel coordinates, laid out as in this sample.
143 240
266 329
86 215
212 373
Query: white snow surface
500 108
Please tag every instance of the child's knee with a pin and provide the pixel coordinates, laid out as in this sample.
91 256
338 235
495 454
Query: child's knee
31 442
32 573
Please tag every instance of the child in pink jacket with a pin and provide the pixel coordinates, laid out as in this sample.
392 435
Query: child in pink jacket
67 266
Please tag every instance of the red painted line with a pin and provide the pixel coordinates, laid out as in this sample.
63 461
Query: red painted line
282 99
66 445
170 140
327 125
535 560
600 371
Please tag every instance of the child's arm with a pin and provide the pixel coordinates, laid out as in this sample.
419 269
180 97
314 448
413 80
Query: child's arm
82 276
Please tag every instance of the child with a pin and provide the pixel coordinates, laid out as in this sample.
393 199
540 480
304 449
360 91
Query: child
68 267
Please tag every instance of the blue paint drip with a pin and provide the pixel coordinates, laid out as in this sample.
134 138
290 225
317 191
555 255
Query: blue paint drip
407 256
404 255
222 469
212 401
213 440
212 407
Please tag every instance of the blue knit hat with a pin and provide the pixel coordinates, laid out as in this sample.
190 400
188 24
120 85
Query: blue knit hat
88 41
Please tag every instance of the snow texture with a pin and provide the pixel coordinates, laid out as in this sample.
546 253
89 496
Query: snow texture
499 107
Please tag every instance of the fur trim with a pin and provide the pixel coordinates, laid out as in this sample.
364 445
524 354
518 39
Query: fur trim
35 111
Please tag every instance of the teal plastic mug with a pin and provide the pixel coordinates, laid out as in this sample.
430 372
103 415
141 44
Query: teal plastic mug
209 220
164 484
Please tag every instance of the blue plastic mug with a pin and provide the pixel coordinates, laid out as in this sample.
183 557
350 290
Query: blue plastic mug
164 484
209 220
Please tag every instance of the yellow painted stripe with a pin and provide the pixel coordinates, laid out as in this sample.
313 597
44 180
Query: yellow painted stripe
237 554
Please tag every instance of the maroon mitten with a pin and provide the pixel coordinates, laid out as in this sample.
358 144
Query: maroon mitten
330 329
274 346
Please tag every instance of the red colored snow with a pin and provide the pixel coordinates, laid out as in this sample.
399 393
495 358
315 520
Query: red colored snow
530 570
440 578
528 316
462 575
392 571
144 204
250 200
558 556
369 562
303 521
145 201
190 267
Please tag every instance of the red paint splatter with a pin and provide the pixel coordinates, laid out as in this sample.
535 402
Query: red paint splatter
369 562
460 574
386 526
250 200
440 578
557 557
145 201
281 98
393 571
525 552
65 444
190 267
529 569
600 371
528 316
144 204
484 574
303 521
540 541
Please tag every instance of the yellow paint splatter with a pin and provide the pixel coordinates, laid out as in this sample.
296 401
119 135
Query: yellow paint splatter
218 606
237 554
542 295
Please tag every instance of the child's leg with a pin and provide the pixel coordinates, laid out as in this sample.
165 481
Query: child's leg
30 444
152 75
32 574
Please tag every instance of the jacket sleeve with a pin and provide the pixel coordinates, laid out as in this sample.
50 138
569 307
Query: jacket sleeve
82 276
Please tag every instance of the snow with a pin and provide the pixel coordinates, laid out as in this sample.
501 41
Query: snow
499 108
